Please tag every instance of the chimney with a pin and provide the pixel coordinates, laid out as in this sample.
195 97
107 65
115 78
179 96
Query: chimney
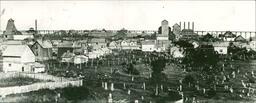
184 25
193 26
188 25
180 24
35 25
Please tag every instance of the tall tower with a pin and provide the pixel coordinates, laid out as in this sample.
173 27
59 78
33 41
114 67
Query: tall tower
10 30
165 28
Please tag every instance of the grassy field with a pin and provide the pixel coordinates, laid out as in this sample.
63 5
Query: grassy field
111 71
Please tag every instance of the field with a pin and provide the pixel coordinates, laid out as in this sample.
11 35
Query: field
111 69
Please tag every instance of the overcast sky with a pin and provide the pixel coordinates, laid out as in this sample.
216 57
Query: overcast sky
132 15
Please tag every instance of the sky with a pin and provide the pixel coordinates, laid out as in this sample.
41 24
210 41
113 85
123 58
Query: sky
131 15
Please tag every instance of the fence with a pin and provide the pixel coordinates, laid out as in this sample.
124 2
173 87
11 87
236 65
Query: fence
44 77
34 87
59 82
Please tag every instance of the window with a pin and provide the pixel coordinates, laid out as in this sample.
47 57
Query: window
221 50
22 69
10 65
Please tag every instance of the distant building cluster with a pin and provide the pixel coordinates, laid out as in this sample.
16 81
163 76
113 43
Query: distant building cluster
24 51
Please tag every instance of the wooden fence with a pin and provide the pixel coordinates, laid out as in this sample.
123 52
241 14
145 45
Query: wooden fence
36 86
55 82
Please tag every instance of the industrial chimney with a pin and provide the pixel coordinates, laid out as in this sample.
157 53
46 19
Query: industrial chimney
188 25
35 25
184 25
193 26
180 25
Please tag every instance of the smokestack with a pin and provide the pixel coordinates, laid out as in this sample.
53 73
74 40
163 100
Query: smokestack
35 25
193 26
188 25
184 25
180 25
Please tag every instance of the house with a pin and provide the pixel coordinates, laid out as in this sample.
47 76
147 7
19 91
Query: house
240 39
67 57
221 47
80 59
148 45
176 52
228 36
65 46
19 58
42 50
252 43
97 43
113 45
130 44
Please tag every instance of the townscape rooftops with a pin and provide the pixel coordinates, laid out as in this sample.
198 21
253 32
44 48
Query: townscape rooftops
148 42
220 44
15 50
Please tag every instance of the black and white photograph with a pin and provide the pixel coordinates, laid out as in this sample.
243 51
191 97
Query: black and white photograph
127 51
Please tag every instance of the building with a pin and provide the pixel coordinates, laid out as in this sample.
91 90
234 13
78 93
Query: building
163 31
42 50
148 46
176 31
252 43
80 59
239 39
68 57
228 36
10 30
221 47
18 58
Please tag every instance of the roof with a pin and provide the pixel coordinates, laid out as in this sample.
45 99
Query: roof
13 42
220 44
69 44
148 42
15 50
240 38
229 34
68 55
98 40
44 44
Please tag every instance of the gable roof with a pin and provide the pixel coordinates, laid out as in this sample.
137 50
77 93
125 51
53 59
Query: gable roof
15 50
240 38
44 44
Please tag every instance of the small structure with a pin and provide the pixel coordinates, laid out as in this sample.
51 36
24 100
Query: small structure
221 47
18 58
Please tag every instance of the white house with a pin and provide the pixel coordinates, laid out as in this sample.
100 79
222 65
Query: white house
221 47
80 59
17 58
148 46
